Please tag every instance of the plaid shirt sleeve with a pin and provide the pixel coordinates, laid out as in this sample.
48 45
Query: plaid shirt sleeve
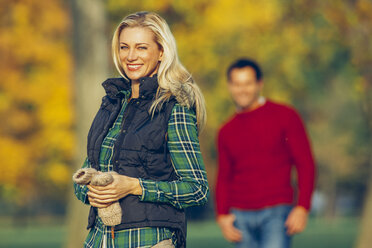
82 190
191 188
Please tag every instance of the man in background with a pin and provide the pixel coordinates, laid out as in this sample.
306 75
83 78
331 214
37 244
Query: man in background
257 148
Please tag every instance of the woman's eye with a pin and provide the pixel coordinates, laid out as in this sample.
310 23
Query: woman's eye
142 48
123 47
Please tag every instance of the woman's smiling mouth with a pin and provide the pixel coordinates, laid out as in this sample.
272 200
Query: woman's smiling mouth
133 67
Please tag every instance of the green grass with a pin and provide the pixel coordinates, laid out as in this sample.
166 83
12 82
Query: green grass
340 233
32 237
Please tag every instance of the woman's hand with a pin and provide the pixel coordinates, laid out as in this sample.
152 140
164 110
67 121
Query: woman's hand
104 196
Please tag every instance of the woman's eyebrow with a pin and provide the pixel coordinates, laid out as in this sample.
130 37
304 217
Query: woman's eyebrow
141 43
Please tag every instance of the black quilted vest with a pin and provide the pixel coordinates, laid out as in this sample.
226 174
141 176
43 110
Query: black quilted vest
140 151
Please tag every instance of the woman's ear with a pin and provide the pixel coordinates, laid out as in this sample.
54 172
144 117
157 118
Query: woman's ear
161 54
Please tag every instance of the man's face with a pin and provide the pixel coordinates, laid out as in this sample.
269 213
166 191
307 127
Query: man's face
244 88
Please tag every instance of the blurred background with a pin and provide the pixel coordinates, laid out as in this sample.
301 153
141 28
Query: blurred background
315 54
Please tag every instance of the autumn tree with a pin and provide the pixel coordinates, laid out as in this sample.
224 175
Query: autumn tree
91 56
36 113
353 20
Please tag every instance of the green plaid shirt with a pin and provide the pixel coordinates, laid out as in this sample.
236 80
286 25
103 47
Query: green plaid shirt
190 189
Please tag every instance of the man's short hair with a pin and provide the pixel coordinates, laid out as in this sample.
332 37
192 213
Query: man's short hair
241 63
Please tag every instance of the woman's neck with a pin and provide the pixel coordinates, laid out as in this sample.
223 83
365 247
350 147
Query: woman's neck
135 89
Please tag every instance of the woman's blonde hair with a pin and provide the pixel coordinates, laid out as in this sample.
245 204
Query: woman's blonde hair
172 75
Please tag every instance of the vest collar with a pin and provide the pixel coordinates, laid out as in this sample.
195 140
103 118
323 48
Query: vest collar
147 89
114 86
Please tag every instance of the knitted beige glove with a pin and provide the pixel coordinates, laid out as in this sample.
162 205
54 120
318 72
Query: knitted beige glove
111 215
84 176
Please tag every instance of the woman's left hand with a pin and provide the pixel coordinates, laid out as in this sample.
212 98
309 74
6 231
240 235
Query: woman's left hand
104 196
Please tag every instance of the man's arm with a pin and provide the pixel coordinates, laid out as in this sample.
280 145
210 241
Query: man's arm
223 176
225 220
302 156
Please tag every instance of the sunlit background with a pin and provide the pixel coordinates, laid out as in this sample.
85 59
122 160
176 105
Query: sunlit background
315 54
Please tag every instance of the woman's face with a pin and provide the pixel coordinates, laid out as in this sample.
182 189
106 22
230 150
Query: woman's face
140 55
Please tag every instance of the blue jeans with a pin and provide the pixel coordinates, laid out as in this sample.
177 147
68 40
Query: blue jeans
263 228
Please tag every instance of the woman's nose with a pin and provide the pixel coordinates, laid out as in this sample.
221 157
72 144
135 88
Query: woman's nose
132 55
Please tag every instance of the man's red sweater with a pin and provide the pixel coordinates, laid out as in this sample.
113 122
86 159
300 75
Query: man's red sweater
256 151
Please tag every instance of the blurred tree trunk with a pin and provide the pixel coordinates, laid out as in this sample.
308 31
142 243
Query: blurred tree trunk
365 238
91 61
362 48
330 189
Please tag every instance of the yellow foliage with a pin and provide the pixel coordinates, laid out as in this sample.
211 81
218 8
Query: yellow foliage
35 93
16 166
360 85
58 174
134 6
365 7
227 16
331 149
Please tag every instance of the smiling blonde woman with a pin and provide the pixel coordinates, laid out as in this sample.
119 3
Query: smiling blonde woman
146 130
